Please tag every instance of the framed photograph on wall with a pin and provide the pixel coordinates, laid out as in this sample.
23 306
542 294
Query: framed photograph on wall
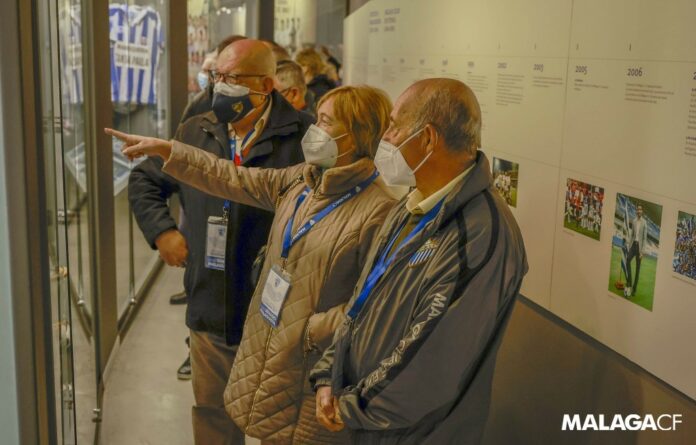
684 260
505 179
635 247
583 208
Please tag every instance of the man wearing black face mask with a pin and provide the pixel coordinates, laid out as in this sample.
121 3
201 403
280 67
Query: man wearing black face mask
254 126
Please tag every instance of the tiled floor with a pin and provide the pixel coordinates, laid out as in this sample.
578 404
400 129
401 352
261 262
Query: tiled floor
144 403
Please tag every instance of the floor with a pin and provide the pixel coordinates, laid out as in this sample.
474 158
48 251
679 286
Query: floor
144 403
536 379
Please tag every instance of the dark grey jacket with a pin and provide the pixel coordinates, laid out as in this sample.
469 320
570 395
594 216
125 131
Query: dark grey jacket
415 366
201 103
218 301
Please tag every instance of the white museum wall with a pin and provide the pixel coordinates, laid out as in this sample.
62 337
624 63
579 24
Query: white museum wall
595 91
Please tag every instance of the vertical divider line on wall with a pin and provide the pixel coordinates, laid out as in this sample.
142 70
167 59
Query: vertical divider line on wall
560 157
99 161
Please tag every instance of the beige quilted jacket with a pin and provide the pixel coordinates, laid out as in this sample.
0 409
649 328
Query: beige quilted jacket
268 394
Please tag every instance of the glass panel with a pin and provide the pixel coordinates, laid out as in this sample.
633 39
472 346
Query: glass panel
139 99
227 17
300 24
198 40
57 258
70 179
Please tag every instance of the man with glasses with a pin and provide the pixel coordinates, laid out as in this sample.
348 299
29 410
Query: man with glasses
203 101
251 124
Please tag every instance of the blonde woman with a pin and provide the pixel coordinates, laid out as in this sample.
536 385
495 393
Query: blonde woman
327 213
314 70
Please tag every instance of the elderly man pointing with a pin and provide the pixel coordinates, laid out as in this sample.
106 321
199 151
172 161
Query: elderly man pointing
414 361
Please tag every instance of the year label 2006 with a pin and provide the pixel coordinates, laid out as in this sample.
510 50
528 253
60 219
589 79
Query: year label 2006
635 72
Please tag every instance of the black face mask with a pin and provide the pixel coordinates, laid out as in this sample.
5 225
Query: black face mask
231 103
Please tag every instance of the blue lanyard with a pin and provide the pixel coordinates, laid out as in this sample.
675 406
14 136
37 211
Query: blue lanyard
382 264
233 151
289 240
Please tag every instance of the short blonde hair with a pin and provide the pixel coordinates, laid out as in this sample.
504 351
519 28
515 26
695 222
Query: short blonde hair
364 111
311 60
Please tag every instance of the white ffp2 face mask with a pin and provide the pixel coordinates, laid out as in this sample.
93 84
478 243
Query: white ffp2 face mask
320 148
393 167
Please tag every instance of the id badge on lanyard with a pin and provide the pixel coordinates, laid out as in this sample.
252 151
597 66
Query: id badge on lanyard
274 293
277 286
216 242
216 235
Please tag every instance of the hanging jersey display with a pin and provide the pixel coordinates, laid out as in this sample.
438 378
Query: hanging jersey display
136 43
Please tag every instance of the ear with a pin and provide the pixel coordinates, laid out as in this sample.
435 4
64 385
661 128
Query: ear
268 84
351 140
431 138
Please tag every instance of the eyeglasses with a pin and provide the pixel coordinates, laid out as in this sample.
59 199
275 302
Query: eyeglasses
231 78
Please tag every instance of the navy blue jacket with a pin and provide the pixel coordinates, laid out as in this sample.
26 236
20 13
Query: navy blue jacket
218 300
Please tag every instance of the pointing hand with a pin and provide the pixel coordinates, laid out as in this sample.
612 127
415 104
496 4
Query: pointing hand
136 146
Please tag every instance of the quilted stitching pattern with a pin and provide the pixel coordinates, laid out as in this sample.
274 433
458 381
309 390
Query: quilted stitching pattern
267 394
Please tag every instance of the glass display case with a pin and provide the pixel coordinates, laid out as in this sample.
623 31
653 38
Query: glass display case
140 97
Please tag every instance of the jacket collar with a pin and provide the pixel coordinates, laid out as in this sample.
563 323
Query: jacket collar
475 183
283 120
320 79
337 180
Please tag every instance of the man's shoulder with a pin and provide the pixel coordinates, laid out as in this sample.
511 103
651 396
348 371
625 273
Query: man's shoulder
195 120
199 131
305 119
284 115
201 103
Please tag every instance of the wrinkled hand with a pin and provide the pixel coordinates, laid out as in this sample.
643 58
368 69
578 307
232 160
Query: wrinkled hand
327 410
136 146
172 248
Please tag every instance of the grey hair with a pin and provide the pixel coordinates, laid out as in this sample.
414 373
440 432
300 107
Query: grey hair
289 74
456 118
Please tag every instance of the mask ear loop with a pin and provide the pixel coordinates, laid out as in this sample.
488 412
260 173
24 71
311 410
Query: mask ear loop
426 156
422 162
342 154
349 151
409 138
346 153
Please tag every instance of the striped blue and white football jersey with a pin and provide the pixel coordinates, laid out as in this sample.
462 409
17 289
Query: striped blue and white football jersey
136 42
70 45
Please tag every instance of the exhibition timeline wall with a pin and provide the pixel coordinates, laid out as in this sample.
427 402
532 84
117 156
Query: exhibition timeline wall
589 120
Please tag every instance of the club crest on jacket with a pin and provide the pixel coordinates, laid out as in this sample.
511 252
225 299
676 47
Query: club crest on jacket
424 253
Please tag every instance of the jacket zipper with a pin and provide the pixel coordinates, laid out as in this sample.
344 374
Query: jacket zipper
265 354
258 389
378 286
222 145
304 376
